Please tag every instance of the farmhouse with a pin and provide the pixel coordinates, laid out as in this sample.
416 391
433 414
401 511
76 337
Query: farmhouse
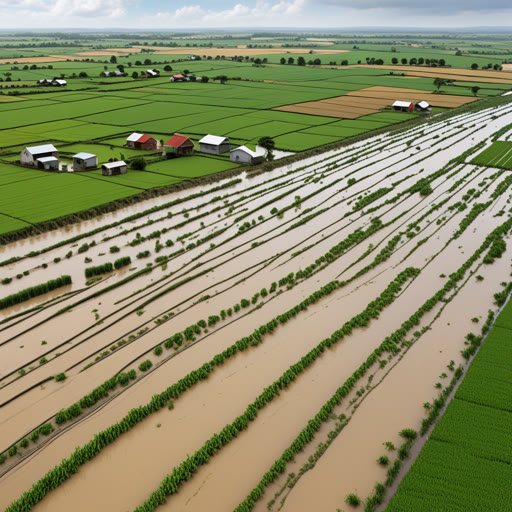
180 145
177 78
116 72
403 106
85 161
59 83
113 168
31 155
150 73
422 106
214 145
141 141
44 81
244 155
48 163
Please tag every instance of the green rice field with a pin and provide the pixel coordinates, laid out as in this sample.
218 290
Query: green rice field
499 154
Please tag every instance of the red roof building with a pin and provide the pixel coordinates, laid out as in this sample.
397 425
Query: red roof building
146 142
177 78
180 145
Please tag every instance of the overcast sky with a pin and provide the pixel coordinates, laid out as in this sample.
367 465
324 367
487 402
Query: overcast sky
144 14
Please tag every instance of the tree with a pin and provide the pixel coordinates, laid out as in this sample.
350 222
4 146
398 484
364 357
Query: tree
413 61
147 62
394 61
317 62
120 67
135 74
474 65
475 90
268 144
442 62
113 59
82 74
439 82
138 163
282 60
138 63
301 61
204 79
421 60
404 61
291 60
167 68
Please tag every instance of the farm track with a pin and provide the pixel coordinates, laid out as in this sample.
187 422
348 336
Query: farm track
238 266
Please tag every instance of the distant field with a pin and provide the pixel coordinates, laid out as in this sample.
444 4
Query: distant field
499 154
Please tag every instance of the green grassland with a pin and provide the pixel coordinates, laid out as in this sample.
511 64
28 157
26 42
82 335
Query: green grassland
95 114
466 463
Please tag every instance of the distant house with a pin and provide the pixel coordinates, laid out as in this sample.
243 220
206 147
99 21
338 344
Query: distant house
141 141
85 161
59 83
44 81
49 163
150 73
180 145
31 155
114 168
244 155
214 145
403 106
177 78
116 72
422 106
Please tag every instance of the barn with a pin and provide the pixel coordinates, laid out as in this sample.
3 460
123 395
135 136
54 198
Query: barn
48 163
150 73
59 83
44 81
180 145
141 141
403 106
85 161
244 155
177 78
422 106
30 155
114 168
214 145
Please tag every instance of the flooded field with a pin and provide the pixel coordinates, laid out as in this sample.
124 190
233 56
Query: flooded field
253 345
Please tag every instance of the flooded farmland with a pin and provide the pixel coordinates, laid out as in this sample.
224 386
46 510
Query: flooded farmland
305 316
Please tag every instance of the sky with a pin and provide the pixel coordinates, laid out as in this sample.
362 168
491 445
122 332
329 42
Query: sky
165 14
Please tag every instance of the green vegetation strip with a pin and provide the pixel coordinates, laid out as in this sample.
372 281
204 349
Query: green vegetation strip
466 463
34 291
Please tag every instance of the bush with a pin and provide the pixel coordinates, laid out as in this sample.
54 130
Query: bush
24 443
138 163
60 377
13 450
98 270
158 350
145 365
408 433
114 248
353 499
122 262
383 460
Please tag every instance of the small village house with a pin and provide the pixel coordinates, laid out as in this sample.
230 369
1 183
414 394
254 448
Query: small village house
422 106
180 145
114 168
48 163
150 73
59 83
244 155
141 141
403 106
214 145
31 155
177 78
85 161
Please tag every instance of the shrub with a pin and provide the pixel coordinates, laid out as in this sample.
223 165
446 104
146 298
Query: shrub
383 460
145 365
408 433
98 270
353 499
24 443
158 350
60 377
43 360
122 262
114 249
13 450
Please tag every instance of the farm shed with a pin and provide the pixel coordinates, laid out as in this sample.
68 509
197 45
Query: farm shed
177 78
48 163
180 145
85 161
44 81
141 141
59 83
214 145
244 155
403 106
151 73
113 168
30 155
422 106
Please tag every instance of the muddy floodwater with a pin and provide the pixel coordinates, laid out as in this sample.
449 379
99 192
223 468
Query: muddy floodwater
331 232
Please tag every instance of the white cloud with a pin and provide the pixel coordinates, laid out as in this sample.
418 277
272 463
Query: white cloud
240 14
88 8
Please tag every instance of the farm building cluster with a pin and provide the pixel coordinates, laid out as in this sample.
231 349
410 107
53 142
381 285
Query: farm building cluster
410 106
55 82
46 156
